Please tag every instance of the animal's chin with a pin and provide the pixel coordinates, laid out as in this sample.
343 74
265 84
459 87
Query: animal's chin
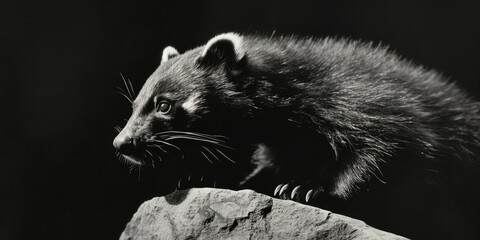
183 172
189 176
133 159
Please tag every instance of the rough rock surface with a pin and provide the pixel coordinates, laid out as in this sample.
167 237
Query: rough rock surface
207 213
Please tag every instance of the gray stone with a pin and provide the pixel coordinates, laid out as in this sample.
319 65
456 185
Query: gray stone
208 213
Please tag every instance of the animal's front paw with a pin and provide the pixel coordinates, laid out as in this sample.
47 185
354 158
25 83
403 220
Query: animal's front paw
303 193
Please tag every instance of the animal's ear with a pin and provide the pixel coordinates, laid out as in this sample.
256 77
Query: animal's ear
168 53
225 48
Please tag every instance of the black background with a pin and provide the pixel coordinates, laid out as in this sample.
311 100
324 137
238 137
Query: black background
59 69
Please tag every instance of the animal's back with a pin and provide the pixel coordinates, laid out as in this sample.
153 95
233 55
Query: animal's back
417 135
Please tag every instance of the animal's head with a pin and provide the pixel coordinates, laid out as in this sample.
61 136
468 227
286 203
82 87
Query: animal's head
188 114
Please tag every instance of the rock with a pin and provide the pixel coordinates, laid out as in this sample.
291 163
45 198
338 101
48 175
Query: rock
208 213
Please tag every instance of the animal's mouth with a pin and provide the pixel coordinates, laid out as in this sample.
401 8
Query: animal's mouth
132 159
191 159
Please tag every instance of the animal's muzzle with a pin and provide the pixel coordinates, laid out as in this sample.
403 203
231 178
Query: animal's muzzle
124 143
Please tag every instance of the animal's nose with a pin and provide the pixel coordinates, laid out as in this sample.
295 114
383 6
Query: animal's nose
124 144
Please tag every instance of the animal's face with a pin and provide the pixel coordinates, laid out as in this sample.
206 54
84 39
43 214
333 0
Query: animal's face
175 117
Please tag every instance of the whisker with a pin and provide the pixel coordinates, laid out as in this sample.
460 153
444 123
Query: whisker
117 128
212 137
123 94
208 150
206 156
229 159
146 150
131 87
191 138
121 158
157 146
198 139
151 159
126 92
166 143
126 86
224 146
122 90
132 167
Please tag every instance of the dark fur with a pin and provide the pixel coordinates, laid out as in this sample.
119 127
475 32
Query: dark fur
377 137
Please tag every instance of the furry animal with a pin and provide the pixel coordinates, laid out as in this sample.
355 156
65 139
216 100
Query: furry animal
335 123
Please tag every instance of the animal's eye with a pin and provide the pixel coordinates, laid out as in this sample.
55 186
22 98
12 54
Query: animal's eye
164 107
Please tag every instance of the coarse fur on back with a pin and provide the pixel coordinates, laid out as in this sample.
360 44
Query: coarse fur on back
336 123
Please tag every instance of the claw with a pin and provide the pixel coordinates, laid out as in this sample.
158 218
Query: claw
309 195
277 189
294 192
179 183
284 188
